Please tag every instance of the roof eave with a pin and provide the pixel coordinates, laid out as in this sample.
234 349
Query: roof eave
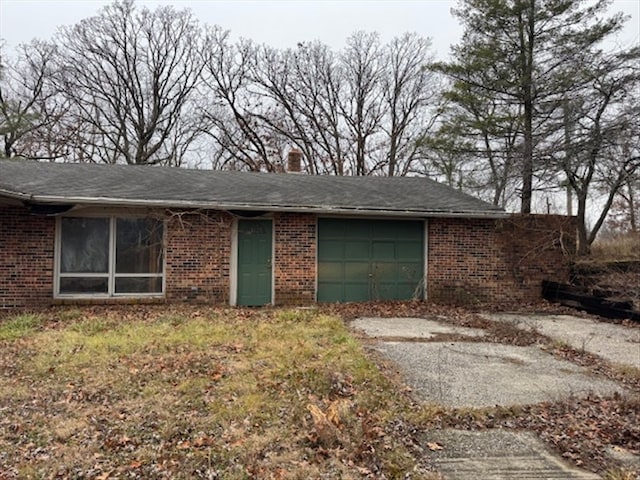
14 195
321 209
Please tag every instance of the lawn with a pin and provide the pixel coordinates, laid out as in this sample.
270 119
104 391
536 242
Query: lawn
182 392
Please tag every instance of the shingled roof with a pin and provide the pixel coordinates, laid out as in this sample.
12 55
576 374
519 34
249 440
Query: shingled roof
170 187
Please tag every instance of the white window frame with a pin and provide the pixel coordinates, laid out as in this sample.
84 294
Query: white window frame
111 274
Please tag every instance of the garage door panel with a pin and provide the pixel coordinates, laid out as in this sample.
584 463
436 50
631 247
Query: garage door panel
356 270
409 270
383 250
409 250
356 249
384 271
354 229
386 291
407 229
394 291
332 250
384 230
406 290
331 271
329 291
357 291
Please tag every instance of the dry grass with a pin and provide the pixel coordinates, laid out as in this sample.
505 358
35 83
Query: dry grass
615 265
145 393
617 248
620 475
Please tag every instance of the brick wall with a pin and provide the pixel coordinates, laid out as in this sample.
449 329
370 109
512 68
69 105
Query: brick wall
26 258
295 258
533 248
461 255
477 260
469 260
198 257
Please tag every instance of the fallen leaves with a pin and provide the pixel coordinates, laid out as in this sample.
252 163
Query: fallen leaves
328 425
199 442
184 392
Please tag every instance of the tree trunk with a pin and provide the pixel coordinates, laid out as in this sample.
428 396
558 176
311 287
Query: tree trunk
632 209
527 160
7 147
527 36
583 241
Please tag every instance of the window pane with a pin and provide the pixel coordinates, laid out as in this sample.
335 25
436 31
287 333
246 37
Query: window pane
84 285
84 245
139 285
138 245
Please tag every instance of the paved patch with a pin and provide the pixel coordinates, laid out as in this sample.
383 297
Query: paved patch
496 455
468 374
411 328
616 343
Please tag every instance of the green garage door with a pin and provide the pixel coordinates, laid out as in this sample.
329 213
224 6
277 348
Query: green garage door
360 260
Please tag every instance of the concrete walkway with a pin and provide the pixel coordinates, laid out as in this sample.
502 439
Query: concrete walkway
615 343
463 455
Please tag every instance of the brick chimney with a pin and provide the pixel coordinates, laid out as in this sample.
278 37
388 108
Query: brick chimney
294 160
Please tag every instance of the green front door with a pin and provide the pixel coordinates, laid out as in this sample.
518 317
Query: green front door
360 260
254 262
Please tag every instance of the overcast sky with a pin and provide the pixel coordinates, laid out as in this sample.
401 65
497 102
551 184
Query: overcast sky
281 23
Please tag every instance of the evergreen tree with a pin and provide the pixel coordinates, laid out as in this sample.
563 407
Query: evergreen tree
518 53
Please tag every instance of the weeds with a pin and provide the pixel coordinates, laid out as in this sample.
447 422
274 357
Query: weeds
513 334
19 326
632 374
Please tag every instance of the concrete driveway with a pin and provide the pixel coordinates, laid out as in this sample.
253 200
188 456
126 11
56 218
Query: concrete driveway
454 367
476 373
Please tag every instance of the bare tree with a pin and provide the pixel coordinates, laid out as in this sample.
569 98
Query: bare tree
29 108
304 87
362 106
410 107
359 112
232 107
449 159
130 76
604 115
316 90
624 216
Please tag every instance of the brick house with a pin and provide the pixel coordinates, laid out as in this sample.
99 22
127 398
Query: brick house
110 233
